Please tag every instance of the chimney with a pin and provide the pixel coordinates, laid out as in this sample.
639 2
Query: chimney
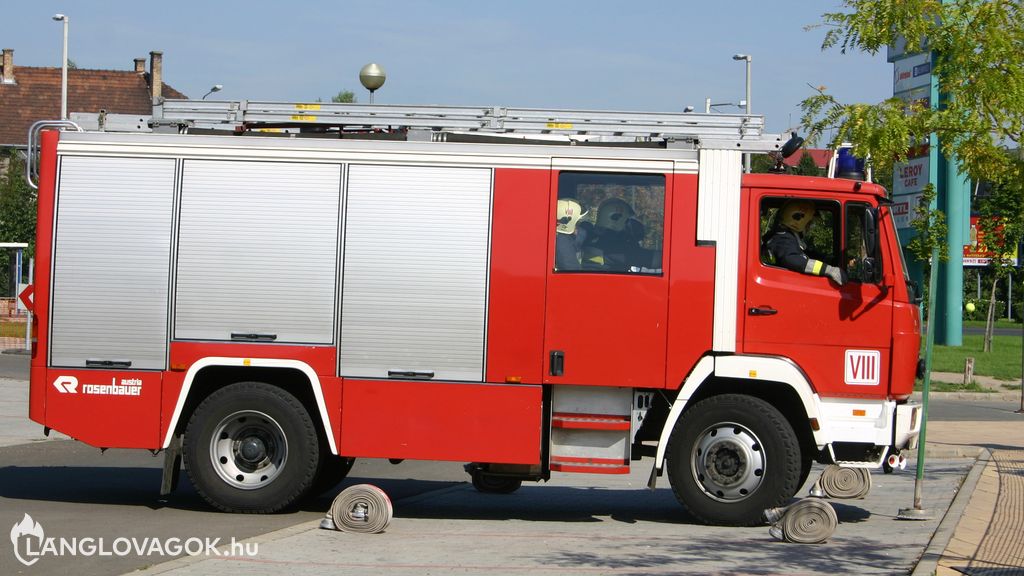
156 74
8 72
140 65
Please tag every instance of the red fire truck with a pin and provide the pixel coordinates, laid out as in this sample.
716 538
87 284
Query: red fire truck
528 291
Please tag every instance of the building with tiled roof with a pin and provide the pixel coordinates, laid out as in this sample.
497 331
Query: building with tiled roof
29 93
821 157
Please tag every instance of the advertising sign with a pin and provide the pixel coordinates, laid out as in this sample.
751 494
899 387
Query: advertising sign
912 72
910 177
903 209
976 253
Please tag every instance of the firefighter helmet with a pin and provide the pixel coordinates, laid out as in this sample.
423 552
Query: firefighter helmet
568 213
613 214
796 215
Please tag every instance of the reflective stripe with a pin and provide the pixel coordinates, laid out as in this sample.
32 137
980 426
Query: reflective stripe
814 267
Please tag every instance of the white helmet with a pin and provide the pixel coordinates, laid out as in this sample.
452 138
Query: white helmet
568 213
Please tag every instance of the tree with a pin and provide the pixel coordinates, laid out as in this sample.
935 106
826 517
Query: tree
1001 225
806 166
976 46
344 97
17 211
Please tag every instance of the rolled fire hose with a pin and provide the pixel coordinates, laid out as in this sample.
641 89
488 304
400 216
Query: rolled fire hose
362 508
845 483
809 521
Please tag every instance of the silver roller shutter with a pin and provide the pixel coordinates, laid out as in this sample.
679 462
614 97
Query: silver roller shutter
415 272
111 261
258 251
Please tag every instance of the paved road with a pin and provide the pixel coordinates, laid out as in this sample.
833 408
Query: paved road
74 491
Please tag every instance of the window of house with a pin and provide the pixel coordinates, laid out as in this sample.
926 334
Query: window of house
609 222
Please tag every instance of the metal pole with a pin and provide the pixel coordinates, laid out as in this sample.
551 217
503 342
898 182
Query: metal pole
746 157
64 74
707 105
917 512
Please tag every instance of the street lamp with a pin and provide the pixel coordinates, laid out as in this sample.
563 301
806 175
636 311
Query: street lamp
214 88
746 58
63 68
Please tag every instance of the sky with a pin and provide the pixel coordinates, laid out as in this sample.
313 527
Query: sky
595 54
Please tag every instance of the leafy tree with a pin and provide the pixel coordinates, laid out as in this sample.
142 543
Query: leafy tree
976 46
344 97
1001 224
806 166
17 211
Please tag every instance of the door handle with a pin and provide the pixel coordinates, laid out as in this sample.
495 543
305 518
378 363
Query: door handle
762 311
557 363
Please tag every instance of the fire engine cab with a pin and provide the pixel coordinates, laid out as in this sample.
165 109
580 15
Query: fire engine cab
528 291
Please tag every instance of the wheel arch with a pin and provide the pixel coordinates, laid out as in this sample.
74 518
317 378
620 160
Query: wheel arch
775 380
207 375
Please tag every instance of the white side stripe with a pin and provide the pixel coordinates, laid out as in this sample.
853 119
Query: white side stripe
314 381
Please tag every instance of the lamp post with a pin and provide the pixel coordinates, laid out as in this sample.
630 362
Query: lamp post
63 68
214 88
372 77
746 58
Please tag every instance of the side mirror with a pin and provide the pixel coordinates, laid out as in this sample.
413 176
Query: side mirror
871 231
915 292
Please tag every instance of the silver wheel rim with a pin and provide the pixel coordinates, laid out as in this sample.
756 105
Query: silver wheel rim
728 462
248 449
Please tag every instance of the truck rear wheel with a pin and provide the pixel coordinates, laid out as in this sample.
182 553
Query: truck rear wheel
251 447
731 457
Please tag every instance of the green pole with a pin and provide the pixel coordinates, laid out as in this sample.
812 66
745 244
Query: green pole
929 343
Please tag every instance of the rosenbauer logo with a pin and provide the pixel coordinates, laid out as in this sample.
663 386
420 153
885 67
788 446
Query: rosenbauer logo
31 544
127 387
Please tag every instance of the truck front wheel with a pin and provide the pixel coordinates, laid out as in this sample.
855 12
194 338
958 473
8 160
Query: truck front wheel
251 447
730 457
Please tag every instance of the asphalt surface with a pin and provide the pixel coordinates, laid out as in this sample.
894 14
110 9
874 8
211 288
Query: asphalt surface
74 491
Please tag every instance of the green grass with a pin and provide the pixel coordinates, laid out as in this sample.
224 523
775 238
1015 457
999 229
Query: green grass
952 387
1002 362
1000 323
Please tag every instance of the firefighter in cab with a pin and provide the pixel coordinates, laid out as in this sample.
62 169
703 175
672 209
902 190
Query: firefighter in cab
787 247
569 237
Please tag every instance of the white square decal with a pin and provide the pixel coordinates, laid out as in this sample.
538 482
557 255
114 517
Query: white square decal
862 367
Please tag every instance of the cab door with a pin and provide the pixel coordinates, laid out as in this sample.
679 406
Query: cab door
607 285
840 336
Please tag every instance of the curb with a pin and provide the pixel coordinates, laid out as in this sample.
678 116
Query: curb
1007 396
929 561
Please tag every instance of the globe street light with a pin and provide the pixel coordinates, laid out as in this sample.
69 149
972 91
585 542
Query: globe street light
63 68
214 88
372 77
747 58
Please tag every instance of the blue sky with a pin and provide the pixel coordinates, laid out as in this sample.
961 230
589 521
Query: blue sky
597 54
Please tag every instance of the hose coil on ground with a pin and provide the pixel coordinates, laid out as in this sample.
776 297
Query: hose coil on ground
362 508
845 483
809 521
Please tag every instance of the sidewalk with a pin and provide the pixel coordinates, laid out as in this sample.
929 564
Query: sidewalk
988 538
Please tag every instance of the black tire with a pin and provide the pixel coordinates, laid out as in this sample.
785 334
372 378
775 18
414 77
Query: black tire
805 471
251 447
491 484
333 469
730 457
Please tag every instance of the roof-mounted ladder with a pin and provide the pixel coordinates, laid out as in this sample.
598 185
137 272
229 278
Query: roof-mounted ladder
720 131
